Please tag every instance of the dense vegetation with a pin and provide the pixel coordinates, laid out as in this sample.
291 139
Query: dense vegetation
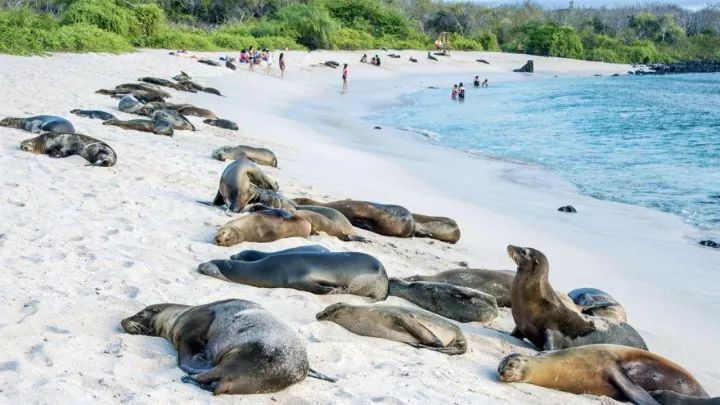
629 34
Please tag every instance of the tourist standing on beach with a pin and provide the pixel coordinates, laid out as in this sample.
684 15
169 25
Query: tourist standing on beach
281 64
454 93
476 82
269 60
461 92
345 74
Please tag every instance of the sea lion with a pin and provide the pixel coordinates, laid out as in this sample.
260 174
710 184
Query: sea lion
209 62
221 123
176 120
243 182
145 96
548 323
457 303
230 65
413 326
594 302
673 398
211 91
95 151
568 208
129 104
388 220
316 272
101 115
40 123
331 221
254 255
260 156
497 283
263 226
129 87
156 127
440 228
163 82
230 347
195 111
182 76
615 371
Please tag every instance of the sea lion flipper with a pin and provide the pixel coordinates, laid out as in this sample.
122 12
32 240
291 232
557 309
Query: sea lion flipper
419 331
632 391
219 200
234 204
517 334
192 355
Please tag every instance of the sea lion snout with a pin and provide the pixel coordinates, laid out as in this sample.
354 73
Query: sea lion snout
518 253
329 311
511 367
211 269
227 237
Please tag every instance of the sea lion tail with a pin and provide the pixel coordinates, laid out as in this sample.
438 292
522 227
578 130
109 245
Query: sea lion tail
189 380
314 374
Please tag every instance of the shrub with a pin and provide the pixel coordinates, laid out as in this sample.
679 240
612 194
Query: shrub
309 24
181 38
488 40
417 41
150 20
21 31
105 14
84 38
461 43
347 38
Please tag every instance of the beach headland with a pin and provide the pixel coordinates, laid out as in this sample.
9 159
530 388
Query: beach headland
84 247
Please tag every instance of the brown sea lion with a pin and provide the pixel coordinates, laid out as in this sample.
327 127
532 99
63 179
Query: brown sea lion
221 123
195 111
262 226
338 227
164 83
175 119
95 151
128 87
229 347
243 182
497 283
440 228
40 123
260 156
156 127
615 371
413 326
389 220
541 316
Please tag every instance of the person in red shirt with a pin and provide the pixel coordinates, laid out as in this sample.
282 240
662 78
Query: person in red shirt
345 74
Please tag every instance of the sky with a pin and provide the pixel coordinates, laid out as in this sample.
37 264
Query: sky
693 4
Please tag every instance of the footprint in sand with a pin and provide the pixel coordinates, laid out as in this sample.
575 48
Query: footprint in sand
37 355
9 366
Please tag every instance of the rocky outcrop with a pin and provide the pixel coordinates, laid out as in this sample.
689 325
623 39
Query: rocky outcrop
697 66
528 68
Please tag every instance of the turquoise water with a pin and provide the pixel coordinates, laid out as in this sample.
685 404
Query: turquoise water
650 141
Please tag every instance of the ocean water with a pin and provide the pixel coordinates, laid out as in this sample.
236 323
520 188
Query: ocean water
653 141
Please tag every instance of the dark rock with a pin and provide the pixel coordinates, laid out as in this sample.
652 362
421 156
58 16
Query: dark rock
709 243
528 68
378 127
463 264
413 60
616 75
692 66
568 208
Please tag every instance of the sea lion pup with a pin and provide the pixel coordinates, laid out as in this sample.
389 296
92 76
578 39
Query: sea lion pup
95 114
229 347
176 120
388 220
260 156
188 109
221 123
156 127
330 221
594 302
413 326
619 372
497 283
95 151
243 182
162 82
440 228
182 77
40 123
255 255
541 316
315 272
129 104
457 303
264 226
211 90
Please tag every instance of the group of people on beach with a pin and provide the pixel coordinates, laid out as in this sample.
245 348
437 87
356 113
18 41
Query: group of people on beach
256 57
458 90
374 61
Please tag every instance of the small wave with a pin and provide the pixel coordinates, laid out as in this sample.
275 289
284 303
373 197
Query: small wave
424 132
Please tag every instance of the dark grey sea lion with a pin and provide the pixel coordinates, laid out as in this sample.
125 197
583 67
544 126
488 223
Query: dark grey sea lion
263 226
129 104
243 182
255 255
416 327
319 273
568 208
260 156
497 283
40 123
97 152
211 91
175 119
129 87
145 96
162 82
673 398
229 347
440 228
210 62
541 316
230 65
591 301
156 127
182 76
457 303
101 115
221 123
619 372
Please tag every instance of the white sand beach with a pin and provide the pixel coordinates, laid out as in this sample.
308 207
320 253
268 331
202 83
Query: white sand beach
83 247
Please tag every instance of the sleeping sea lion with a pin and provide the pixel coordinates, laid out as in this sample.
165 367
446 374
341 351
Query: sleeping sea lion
163 82
592 301
413 326
316 272
619 372
334 222
243 182
101 115
221 123
389 220
541 316
40 123
209 62
156 127
263 226
97 152
260 156
254 255
457 303
129 104
176 120
229 347
497 283
440 228
195 111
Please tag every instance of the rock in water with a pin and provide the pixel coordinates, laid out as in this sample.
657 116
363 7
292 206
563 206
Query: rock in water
528 68
568 208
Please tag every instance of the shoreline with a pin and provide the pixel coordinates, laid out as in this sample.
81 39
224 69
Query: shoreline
109 242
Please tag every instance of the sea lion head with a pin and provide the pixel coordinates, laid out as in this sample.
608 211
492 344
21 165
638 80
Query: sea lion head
331 312
512 368
526 258
147 322
221 154
11 122
111 122
227 236
30 145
